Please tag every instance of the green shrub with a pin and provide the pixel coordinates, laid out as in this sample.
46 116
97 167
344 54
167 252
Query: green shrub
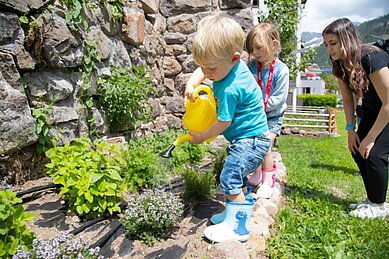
152 215
65 246
200 186
141 169
125 95
319 100
13 231
195 153
183 154
90 176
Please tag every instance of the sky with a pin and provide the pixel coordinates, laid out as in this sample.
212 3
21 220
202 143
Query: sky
317 14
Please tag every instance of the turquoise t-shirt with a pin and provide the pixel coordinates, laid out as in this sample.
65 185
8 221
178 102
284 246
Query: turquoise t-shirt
239 100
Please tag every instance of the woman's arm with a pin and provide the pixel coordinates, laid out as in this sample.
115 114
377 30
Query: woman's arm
380 80
348 105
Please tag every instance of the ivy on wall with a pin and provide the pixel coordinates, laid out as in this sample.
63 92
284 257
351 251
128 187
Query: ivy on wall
285 14
77 23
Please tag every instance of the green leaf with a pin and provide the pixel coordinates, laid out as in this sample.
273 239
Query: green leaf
88 197
29 216
79 210
23 19
95 177
115 175
85 208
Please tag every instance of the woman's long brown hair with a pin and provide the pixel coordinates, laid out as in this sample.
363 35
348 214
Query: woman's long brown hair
349 69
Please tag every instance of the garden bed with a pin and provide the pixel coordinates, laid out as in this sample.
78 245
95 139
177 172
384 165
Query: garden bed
53 219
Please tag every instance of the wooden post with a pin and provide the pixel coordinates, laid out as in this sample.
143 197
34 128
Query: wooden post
330 120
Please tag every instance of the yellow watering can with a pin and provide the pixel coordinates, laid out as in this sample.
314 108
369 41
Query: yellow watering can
199 116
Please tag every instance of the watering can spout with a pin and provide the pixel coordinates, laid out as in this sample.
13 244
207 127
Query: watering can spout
168 152
200 114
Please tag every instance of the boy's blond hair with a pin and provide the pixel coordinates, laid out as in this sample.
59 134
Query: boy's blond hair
217 38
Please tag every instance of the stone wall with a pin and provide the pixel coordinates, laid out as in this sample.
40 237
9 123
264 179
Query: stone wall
47 58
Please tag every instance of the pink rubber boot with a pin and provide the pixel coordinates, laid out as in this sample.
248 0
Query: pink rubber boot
268 182
256 178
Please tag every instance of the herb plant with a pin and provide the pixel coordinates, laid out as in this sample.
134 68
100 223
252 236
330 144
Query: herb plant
141 169
125 95
198 185
89 173
13 231
65 246
152 215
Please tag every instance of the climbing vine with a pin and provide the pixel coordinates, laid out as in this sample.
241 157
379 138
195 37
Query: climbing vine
287 25
77 23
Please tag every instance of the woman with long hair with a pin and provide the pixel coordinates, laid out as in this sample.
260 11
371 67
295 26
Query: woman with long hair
362 70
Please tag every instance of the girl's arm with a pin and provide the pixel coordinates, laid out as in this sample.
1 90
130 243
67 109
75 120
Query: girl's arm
280 93
348 105
380 80
195 79
214 130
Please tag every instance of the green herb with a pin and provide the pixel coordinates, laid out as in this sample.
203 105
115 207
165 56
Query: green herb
90 176
13 231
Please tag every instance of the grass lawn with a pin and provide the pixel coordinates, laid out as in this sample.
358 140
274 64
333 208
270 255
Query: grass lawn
321 182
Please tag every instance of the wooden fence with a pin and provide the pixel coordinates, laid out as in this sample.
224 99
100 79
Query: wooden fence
310 118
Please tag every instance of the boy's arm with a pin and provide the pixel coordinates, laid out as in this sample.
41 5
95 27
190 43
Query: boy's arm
214 130
280 93
195 79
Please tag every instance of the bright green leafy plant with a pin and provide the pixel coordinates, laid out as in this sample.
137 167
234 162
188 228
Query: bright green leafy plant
89 173
13 231
141 169
152 215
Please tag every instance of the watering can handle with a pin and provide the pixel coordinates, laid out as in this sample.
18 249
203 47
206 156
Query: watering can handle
206 89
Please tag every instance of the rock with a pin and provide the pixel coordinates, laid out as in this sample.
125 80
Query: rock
233 249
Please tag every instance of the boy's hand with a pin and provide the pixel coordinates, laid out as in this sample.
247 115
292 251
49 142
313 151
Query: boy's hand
189 92
197 138
195 79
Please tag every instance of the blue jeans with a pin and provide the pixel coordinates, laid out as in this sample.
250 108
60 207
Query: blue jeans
275 124
243 157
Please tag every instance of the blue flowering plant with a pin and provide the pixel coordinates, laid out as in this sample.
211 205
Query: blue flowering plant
64 246
152 215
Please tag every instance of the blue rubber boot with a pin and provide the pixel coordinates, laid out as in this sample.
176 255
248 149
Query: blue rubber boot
219 217
235 225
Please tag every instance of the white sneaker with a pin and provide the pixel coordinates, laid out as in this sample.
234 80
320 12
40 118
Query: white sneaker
356 205
370 211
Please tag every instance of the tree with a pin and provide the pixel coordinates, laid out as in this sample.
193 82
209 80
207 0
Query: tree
331 83
285 14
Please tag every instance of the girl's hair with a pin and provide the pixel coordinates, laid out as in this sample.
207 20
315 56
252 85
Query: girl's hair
217 38
349 69
267 35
